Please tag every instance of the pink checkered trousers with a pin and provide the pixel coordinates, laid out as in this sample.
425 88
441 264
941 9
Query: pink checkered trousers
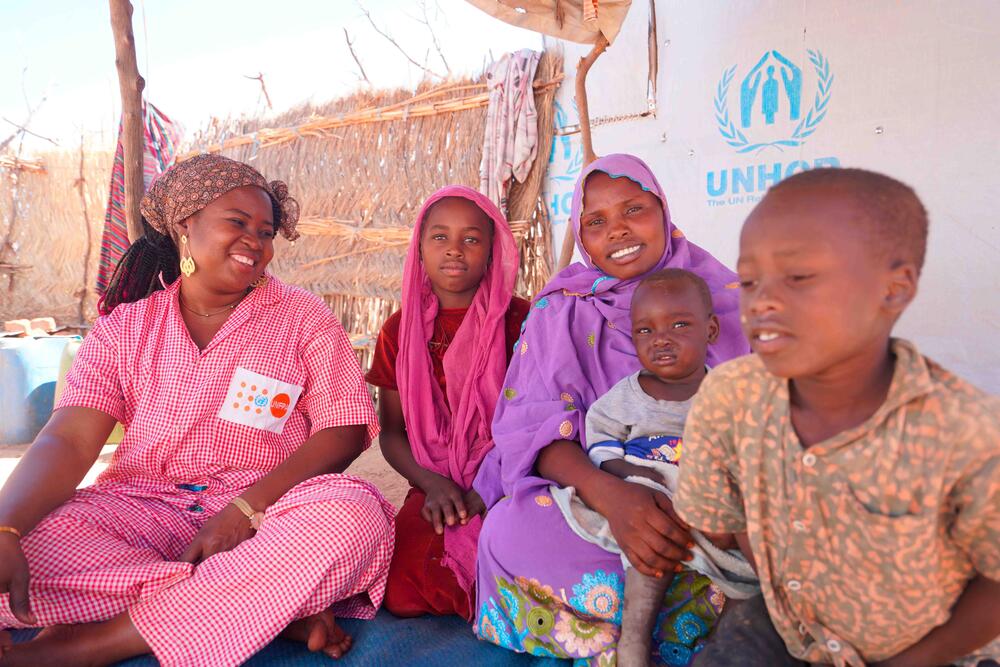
200 427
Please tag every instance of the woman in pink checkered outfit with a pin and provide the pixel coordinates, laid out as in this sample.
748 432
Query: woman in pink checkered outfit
223 519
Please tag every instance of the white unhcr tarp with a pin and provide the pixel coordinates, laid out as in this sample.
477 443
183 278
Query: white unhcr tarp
752 92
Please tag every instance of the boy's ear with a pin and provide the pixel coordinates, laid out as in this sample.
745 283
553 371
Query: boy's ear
901 287
713 329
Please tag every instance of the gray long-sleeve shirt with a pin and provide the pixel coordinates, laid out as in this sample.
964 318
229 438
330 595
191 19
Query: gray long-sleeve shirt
627 420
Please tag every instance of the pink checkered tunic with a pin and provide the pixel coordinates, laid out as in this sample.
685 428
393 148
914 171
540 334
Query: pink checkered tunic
200 427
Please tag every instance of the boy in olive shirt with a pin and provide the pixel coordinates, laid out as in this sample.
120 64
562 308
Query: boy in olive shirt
862 478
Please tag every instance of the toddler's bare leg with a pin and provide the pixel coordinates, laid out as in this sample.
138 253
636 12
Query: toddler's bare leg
643 598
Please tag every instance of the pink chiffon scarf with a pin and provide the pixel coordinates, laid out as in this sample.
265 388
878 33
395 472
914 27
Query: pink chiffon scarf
451 437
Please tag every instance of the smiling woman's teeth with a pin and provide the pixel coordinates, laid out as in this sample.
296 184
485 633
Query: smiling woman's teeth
243 260
765 337
624 251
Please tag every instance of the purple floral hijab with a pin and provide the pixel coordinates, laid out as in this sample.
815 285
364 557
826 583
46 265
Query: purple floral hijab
576 343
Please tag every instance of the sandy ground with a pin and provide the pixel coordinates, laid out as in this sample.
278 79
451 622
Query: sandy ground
370 465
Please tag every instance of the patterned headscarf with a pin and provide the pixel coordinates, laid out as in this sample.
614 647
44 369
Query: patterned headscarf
191 185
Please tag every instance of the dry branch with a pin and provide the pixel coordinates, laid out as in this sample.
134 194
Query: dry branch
395 43
263 88
25 130
350 47
23 127
434 39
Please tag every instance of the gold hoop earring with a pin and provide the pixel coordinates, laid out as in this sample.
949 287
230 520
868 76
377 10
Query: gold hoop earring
187 263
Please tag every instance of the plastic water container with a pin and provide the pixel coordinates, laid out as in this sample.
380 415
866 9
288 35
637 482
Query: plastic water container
29 370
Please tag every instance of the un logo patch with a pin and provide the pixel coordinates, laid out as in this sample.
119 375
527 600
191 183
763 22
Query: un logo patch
768 118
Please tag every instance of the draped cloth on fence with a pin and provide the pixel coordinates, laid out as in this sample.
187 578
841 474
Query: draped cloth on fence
161 138
511 138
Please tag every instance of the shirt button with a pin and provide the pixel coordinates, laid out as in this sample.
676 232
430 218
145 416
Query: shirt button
809 460
794 585
833 645
799 526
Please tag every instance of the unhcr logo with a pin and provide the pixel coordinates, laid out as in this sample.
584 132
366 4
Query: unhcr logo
760 97
769 115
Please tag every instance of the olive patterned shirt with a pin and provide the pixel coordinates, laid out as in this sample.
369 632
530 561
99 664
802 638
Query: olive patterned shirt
864 541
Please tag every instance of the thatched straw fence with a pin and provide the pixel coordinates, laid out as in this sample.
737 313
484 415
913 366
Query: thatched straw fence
51 218
360 167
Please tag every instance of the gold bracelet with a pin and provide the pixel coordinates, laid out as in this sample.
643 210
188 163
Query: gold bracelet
255 517
243 506
10 529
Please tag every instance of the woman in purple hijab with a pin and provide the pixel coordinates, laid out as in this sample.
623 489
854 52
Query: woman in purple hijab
541 588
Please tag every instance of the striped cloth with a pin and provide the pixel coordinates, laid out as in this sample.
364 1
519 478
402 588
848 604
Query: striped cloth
161 138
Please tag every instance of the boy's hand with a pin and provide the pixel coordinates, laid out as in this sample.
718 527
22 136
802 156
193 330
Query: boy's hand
651 535
222 532
445 502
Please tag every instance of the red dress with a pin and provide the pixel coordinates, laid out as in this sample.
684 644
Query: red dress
418 582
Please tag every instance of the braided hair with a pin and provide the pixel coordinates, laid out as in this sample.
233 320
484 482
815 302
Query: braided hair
138 272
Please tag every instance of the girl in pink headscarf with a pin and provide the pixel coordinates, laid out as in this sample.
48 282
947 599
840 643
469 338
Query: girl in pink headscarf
439 366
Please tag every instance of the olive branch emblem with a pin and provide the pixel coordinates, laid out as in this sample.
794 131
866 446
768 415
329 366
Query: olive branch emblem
738 140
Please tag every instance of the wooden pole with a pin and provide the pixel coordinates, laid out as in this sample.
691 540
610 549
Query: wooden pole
81 186
131 85
582 68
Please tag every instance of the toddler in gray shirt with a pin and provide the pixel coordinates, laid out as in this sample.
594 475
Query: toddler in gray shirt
635 430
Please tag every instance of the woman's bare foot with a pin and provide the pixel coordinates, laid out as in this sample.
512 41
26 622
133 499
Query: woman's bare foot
85 645
52 643
320 633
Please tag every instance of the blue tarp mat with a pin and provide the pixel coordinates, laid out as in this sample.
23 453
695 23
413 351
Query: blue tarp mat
428 641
